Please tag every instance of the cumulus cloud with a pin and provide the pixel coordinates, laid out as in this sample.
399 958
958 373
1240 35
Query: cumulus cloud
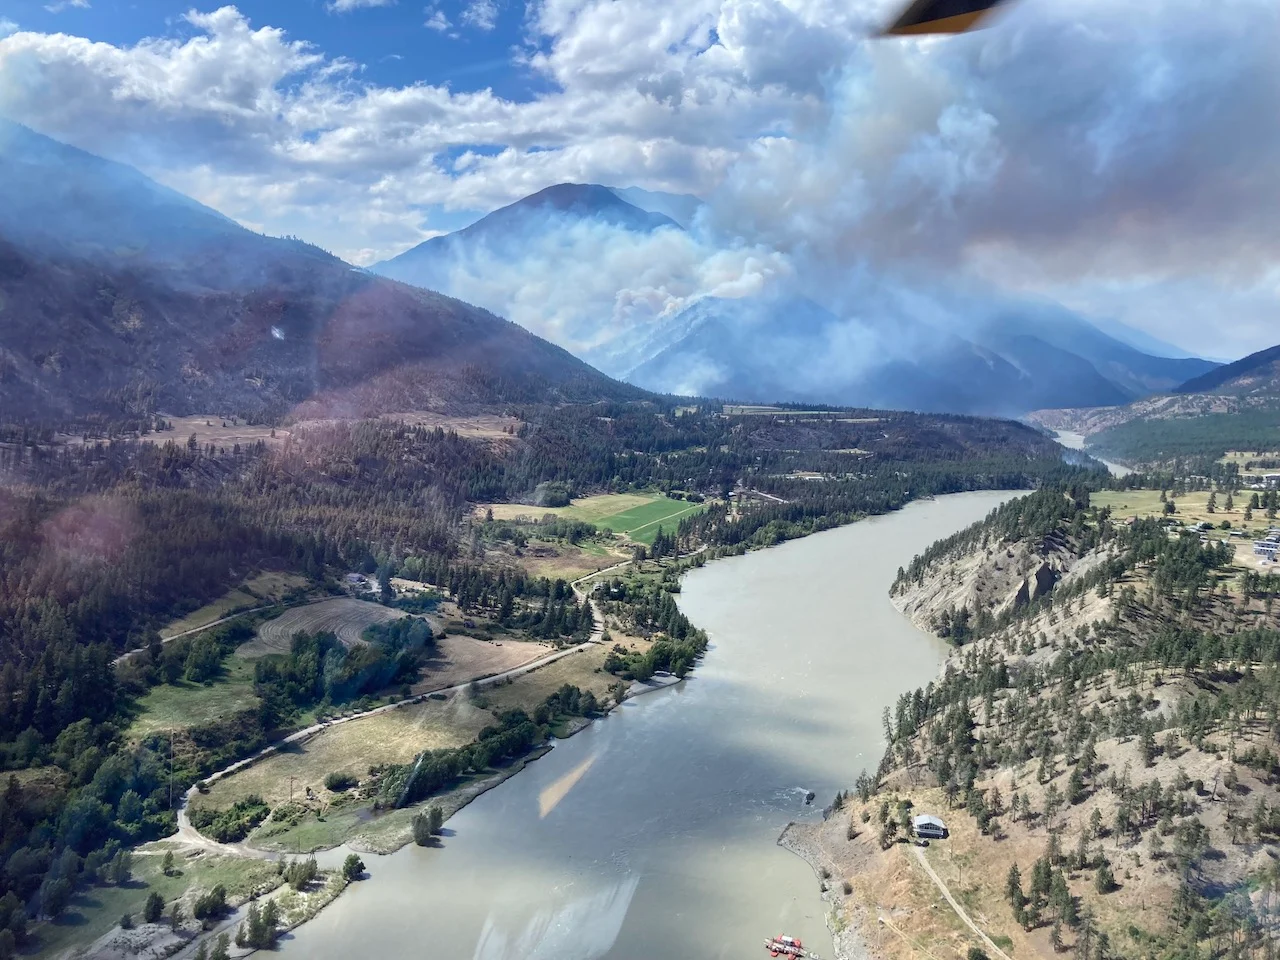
7 27
436 20
1083 150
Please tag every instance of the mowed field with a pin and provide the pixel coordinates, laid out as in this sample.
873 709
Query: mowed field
458 659
255 592
396 736
636 515
344 617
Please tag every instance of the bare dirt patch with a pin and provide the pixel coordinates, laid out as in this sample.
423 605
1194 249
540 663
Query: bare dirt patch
344 617
459 659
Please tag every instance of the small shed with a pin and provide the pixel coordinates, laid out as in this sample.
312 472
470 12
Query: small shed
929 827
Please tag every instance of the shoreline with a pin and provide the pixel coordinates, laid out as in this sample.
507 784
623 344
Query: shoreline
850 944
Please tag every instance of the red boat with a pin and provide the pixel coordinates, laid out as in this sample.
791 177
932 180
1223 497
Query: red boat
788 947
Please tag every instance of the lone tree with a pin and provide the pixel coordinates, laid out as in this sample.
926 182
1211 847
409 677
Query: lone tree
352 867
1105 880
422 829
154 909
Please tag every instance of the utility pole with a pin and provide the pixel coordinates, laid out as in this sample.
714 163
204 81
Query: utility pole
291 779
171 769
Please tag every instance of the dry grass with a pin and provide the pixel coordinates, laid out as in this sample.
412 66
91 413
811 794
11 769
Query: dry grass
460 659
1241 458
1190 507
583 670
395 736
485 426
587 509
266 587
344 617
555 560
210 429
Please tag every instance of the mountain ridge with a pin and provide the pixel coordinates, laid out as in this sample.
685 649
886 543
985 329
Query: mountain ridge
1255 374
196 313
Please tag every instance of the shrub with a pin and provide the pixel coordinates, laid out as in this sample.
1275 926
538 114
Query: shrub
155 907
211 905
338 782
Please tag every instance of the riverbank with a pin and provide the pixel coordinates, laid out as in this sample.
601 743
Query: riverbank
845 918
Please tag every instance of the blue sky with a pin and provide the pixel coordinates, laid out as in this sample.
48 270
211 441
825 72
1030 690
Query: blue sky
390 41
1116 158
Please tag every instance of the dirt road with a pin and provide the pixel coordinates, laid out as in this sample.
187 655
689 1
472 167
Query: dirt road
960 911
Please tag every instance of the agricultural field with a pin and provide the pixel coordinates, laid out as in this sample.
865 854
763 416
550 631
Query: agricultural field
458 659
582 669
394 736
1243 459
262 589
218 431
183 705
484 426
638 516
344 617
642 522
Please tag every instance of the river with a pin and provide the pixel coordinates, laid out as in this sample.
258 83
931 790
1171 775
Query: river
1075 441
652 833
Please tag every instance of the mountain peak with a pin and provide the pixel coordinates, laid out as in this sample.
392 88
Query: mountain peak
561 204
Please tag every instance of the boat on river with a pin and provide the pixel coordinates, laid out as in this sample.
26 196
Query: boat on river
783 946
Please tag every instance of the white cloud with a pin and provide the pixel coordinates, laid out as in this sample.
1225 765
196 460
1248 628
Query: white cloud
7 27
344 6
1085 150
61 5
481 14
436 20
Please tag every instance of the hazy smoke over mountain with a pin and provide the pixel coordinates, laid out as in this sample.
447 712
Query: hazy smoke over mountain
931 192
1112 158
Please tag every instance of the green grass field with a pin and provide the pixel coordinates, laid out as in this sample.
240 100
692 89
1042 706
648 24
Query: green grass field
642 522
638 515
184 705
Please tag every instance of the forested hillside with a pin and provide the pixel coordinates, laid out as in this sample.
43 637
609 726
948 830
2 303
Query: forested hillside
1108 745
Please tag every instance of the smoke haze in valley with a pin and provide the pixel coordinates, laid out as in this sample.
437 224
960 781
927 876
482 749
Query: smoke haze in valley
1079 159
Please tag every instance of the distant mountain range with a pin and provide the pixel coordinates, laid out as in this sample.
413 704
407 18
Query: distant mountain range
120 296
1256 375
787 347
1242 398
